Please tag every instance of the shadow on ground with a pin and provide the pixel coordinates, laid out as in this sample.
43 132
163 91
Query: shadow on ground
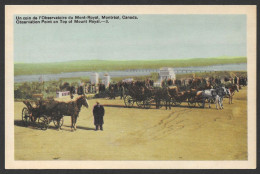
162 107
83 128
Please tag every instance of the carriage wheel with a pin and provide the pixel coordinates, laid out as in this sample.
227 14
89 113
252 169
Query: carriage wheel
43 122
129 102
147 104
191 102
200 104
25 115
175 102
55 122
162 103
140 104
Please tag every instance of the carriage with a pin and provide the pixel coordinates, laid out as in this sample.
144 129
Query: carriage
143 97
176 97
41 113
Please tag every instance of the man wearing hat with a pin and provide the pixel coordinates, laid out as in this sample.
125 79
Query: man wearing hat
98 112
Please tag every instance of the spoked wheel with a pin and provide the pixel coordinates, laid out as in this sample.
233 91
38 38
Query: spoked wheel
129 102
43 122
147 104
191 102
200 104
176 102
55 122
140 104
25 115
162 103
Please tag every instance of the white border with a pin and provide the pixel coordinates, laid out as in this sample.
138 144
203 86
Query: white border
249 10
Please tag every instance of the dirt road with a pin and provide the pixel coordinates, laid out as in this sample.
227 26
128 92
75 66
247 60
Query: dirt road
181 133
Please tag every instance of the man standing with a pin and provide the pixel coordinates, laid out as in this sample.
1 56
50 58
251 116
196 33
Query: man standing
98 112
81 90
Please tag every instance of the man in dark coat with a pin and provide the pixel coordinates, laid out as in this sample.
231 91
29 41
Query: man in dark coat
98 112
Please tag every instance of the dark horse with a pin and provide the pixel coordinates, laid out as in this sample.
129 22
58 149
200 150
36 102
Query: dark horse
72 109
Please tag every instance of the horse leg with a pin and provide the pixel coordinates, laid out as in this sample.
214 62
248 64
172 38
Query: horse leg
217 103
71 122
74 118
58 122
75 126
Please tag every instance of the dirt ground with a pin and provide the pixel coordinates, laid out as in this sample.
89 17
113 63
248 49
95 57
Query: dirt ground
181 133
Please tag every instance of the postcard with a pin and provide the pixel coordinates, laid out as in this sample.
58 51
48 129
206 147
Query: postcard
130 87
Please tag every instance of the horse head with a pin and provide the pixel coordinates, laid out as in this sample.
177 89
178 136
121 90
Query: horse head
82 100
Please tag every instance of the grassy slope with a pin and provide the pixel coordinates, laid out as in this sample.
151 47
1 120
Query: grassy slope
95 65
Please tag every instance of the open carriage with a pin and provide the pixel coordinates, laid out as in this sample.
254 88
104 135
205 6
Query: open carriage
143 97
41 113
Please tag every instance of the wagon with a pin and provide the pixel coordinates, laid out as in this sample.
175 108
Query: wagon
186 96
142 97
37 114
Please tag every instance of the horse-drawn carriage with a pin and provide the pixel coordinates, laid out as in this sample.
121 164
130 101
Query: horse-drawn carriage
166 96
41 113
142 96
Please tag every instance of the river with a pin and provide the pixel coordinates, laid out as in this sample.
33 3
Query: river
125 73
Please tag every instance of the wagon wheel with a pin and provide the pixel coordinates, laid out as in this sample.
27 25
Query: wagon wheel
55 122
43 122
129 102
162 103
140 104
175 102
25 114
191 102
200 103
147 104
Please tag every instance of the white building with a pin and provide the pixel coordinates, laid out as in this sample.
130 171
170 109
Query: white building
166 73
94 78
106 80
157 84
128 80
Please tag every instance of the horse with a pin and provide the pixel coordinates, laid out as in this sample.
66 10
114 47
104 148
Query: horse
232 91
222 92
72 109
162 94
211 94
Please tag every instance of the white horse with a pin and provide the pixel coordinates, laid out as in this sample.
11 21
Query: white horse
222 92
211 94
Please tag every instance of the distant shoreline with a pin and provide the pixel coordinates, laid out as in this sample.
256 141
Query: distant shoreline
112 65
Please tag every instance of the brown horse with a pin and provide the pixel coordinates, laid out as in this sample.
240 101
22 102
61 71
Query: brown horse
232 91
72 109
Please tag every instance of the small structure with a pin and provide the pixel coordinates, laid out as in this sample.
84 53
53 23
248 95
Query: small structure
106 80
128 80
166 73
157 84
94 78
222 80
62 93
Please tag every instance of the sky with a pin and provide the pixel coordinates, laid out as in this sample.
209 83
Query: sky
150 37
